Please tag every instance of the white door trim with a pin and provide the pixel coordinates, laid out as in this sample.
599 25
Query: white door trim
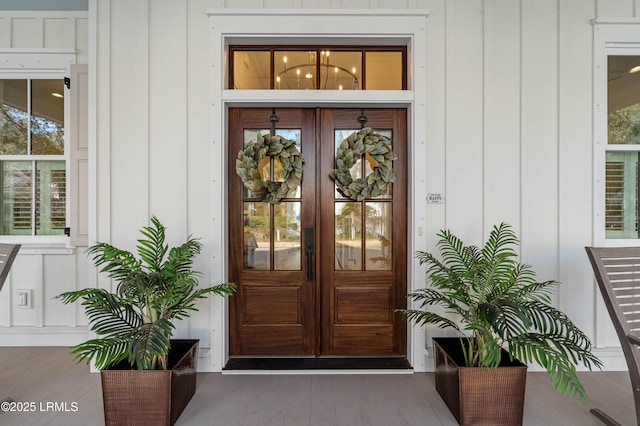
264 26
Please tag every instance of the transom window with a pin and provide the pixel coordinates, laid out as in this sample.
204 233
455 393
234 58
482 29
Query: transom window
32 158
317 68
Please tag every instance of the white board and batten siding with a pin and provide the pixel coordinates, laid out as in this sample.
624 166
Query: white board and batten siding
53 42
507 135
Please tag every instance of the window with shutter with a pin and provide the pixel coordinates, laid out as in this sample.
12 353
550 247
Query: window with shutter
33 164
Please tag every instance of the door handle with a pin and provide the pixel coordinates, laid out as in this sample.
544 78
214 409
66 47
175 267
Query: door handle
310 250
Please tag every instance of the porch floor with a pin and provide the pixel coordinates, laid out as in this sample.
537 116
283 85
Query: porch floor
48 375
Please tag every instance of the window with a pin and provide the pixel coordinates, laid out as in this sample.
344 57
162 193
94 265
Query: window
33 166
317 68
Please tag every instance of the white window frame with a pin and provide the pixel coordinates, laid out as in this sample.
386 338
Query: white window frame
41 64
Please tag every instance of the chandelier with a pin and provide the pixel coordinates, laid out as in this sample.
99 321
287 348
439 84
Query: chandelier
316 74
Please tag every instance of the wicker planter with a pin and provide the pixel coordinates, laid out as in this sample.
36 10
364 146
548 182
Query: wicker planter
479 395
152 397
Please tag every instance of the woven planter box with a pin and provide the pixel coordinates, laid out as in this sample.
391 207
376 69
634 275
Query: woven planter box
479 395
151 397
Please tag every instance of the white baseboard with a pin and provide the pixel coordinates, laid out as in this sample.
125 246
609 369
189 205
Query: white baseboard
42 336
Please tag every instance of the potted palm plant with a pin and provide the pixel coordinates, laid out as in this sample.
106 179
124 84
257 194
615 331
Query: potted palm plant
504 320
147 377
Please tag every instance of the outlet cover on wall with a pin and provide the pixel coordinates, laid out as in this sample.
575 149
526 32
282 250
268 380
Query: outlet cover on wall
24 298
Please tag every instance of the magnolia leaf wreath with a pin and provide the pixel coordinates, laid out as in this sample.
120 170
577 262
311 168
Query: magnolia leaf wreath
252 161
376 149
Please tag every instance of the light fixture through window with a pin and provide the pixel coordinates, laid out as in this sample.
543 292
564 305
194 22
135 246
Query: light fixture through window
316 73
57 95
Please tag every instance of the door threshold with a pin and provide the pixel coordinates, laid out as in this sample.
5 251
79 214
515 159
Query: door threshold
317 366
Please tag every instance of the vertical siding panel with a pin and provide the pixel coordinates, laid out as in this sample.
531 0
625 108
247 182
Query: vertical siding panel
26 273
280 4
540 136
435 116
82 40
354 4
391 4
315 4
576 294
464 94
5 301
5 32
502 113
100 122
243 4
167 121
57 278
615 8
26 32
129 120
428 165
199 175
59 32
167 116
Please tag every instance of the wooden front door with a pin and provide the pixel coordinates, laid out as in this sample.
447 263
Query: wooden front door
318 274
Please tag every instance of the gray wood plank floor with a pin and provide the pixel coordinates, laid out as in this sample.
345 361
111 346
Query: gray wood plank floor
45 374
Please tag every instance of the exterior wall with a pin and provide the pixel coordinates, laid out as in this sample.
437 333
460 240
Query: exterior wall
509 121
47 271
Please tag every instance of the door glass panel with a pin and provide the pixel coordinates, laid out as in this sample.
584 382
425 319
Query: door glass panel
264 167
252 135
378 242
287 247
348 236
257 237
13 117
357 169
294 135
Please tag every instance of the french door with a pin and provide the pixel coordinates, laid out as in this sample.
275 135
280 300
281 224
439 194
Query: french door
318 274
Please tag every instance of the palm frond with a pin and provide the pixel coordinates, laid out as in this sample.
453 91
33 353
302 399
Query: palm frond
149 342
506 317
107 313
180 258
423 317
103 352
116 263
534 347
180 310
455 255
499 245
449 301
153 249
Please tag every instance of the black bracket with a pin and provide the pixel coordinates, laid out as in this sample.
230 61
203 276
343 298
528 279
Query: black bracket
67 82
67 232
362 119
273 118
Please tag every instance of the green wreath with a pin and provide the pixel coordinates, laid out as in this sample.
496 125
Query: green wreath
376 149
251 163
